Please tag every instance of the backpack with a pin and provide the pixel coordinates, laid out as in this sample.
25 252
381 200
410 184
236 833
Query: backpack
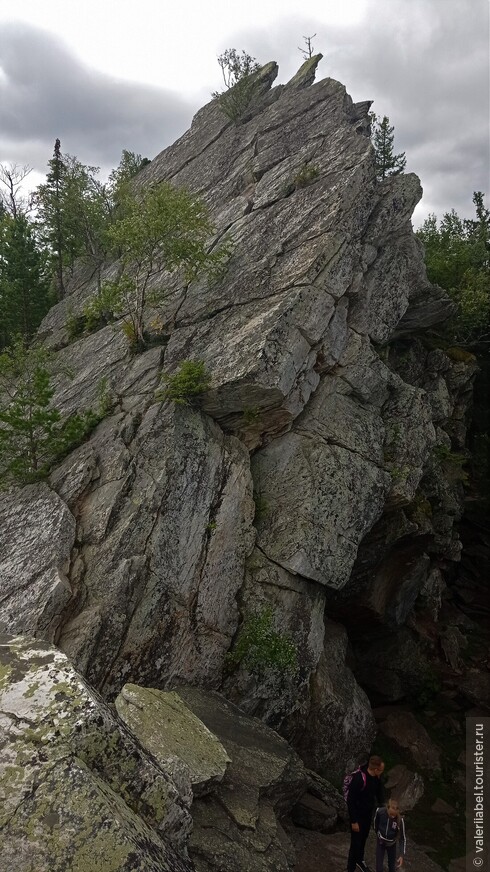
347 782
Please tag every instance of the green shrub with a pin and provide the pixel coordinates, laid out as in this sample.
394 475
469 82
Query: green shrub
307 174
186 385
260 647
251 414
33 436
443 454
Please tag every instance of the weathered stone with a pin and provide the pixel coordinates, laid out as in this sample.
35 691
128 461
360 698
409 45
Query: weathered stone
475 686
313 528
393 666
168 515
440 806
165 727
76 789
405 730
263 781
280 696
340 715
38 533
313 814
307 336
404 786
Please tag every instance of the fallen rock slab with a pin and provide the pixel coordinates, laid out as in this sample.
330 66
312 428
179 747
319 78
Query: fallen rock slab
166 727
237 828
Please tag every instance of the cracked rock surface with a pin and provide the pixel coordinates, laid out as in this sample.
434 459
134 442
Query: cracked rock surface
309 477
76 790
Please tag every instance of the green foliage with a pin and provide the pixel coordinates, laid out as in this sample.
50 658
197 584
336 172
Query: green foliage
186 385
73 211
119 179
32 434
76 210
95 314
238 70
457 256
260 647
387 163
399 473
24 279
251 414
443 454
451 462
306 175
161 229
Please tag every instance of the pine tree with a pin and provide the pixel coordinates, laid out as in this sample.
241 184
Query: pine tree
387 163
24 280
33 434
74 209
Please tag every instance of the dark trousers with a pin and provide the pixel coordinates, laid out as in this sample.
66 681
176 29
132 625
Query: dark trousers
380 855
357 844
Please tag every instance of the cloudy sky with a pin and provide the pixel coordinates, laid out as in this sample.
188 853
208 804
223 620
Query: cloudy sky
104 75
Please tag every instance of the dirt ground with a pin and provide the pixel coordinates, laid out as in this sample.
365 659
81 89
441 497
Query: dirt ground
319 853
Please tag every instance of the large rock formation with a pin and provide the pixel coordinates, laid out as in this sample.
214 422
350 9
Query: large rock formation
326 408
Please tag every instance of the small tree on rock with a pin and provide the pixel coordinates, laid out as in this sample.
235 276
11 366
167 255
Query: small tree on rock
387 163
161 229
32 433
238 69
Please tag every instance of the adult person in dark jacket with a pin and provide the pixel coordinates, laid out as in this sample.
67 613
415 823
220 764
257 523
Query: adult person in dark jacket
365 793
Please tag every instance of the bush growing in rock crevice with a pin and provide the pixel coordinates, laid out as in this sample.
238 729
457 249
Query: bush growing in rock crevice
186 385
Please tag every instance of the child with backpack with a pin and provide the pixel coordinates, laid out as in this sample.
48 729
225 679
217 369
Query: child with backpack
389 827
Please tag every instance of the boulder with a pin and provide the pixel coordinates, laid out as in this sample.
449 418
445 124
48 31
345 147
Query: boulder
38 533
77 790
440 806
166 727
405 730
312 813
404 786
237 828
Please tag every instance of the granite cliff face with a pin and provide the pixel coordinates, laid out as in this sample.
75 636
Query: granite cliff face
311 478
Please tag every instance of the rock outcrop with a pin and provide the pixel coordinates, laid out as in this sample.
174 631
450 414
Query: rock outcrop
317 477
77 791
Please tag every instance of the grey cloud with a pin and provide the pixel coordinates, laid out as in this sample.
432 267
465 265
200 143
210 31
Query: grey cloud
425 63
43 88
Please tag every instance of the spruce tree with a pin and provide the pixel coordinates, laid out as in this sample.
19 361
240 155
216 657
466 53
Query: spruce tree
24 280
387 163
74 210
